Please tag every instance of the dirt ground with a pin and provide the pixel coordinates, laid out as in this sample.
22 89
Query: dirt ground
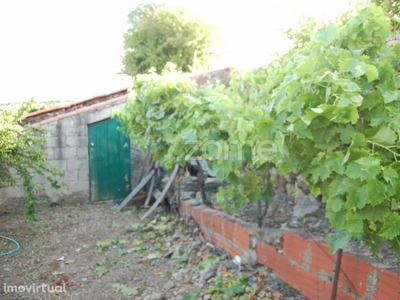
98 253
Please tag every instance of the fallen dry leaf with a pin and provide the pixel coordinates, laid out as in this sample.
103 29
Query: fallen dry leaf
159 272
252 297
264 274
260 282
186 281
63 280
225 273
277 295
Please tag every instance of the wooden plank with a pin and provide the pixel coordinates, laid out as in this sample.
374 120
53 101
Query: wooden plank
152 184
163 194
136 190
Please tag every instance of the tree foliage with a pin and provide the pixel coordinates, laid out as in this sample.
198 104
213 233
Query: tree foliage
158 35
329 110
391 7
22 156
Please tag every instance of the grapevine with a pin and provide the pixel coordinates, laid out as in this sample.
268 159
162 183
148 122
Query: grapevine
329 109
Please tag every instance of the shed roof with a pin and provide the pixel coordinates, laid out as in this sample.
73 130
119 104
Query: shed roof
58 112
66 109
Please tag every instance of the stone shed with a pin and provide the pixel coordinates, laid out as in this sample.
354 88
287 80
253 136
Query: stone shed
99 161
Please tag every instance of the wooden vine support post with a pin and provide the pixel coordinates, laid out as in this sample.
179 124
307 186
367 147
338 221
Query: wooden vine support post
178 199
163 194
152 185
337 272
136 190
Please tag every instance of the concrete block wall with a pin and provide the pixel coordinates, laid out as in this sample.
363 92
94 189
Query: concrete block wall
300 260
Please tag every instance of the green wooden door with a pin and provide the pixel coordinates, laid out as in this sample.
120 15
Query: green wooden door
110 161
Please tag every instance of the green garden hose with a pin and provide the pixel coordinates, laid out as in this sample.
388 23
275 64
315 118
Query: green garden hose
11 251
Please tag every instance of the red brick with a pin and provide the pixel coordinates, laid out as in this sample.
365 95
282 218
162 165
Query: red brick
217 223
188 207
228 247
214 239
234 251
388 285
282 267
295 247
324 289
183 207
354 273
309 284
206 233
229 229
293 277
197 214
266 255
321 259
342 294
207 219
242 237
384 295
315 287
223 244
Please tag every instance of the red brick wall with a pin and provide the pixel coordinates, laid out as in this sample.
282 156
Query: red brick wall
303 263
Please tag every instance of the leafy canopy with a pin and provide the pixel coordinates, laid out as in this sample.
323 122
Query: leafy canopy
329 108
158 35
22 156
168 115
335 104
177 121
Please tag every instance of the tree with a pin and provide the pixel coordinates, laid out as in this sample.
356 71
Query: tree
22 156
158 35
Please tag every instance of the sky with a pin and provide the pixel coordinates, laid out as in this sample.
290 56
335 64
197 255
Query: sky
71 50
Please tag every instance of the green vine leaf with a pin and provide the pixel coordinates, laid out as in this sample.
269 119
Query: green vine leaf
384 136
337 240
376 190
